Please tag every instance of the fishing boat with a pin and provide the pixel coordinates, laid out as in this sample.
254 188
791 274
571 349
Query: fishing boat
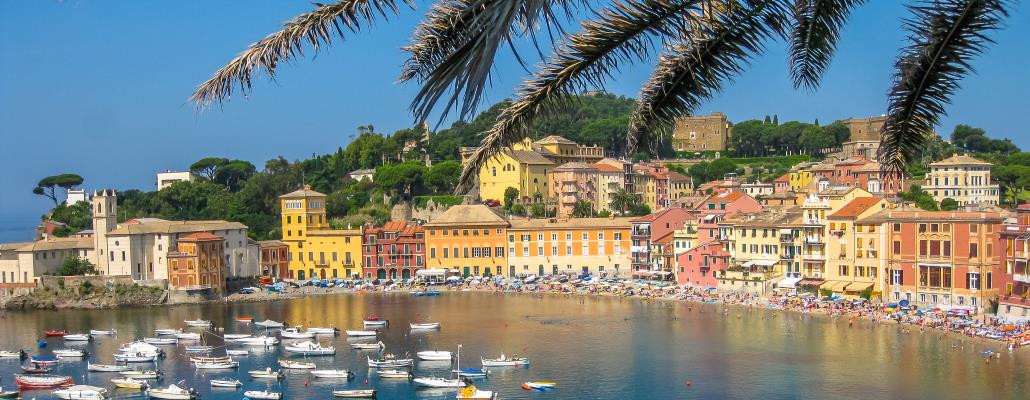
245 320
199 323
390 361
295 333
425 326
236 352
161 341
36 369
109 332
368 346
198 349
361 333
233 383
471 392
395 373
167 332
197 359
236 336
296 364
266 373
77 337
43 360
262 394
106 367
140 374
539 385
81 392
324 331
355 393
505 361
470 372
42 381
310 349
70 353
129 383
437 382
172 392
259 341
434 355
20 354
270 324
54 333
217 365
135 358
374 322
332 373
187 336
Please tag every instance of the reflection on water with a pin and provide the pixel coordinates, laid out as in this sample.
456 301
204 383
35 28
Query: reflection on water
603 348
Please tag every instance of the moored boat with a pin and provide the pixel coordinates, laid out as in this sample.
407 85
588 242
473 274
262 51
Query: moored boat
390 361
106 367
135 358
425 326
9 394
259 341
504 361
77 337
140 374
236 352
434 355
437 382
109 332
361 333
42 381
198 349
324 331
395 373
172 392
233 383
70 353
296 364
471 392
262 394
199 323
355 393
43 360
217 365
368 346
129 383
81 392
332 373
236 336
295 333
470 372
166 332
266 373
20 354
270 324
374 321
36 369
197 359
187 336
160 341
54 333
539 385
245 320
426 293
141 348
310 349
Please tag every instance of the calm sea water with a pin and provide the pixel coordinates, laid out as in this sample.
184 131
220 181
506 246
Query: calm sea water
595 348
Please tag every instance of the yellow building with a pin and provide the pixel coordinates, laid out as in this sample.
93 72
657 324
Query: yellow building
816 208
764 250
856 256
577 246
799 178
647 188
316 251
465 240
524 166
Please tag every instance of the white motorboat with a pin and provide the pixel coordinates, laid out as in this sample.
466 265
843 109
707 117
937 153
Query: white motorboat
390 361
296 364
199 323
361 333
474 393
310 349
95 332
368 346
77 337
70 353
270 324
324 331
199 349
436 382
167 332
236 336
172 392
187 336
236 352
233 383
375 323
21 354
129 383
266 373
295 333
504 361
81 392
140 374
141 347
262 394
217 365
425 326
259 341
394 373
332 373
470 373
355 394
160 341
135 358
434 355
106 368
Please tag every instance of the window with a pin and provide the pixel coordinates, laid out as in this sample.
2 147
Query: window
618 235
973 281
843 270
973 250
446 253
568 250
973 228
511 251
499 251
486 252
896 227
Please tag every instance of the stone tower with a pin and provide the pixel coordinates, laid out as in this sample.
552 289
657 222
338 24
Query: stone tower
105 219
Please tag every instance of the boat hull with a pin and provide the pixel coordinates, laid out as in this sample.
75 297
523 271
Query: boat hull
355 394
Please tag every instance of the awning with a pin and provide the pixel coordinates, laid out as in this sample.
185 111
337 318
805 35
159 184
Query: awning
839 286
859 286
431 272
642 273
709 217
788 283
811 282
830 285
662 273
760 263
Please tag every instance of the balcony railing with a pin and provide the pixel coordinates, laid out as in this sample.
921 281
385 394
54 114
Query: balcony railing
812 221
814 240
1021 278
813 256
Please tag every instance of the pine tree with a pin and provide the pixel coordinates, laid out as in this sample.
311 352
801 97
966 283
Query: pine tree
767 119
776 120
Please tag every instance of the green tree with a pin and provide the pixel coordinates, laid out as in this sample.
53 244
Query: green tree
510 195
815 139
233 173
399 179
538 210
443 176
1013 178
75 266
48 186
949 204
582 209
207 167
623 200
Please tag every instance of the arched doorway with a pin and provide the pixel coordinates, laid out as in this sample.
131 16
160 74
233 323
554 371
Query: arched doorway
405 273
381 273
393 273
321 273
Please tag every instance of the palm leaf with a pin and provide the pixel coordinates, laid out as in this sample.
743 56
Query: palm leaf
619 34
314 28
813 39
695 67
945 36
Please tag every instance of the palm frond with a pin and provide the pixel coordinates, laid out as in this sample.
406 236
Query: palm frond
622 33
813 39
315 28
945 35
694 68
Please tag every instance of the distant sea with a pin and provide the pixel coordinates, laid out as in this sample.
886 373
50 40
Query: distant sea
16 229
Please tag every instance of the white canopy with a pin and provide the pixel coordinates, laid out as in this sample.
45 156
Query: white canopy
788 283
430 272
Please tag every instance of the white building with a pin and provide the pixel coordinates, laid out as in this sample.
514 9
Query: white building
75 196
758 189
965 179
362 174
26 262
167 178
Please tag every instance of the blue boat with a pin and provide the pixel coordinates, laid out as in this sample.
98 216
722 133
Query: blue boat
471 373
429 293
44 360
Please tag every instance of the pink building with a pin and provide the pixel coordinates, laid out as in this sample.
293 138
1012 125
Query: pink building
649 228
717 207
1014 299
570 183
782 184
699 265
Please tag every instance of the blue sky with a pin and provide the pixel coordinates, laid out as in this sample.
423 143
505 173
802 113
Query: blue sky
99 88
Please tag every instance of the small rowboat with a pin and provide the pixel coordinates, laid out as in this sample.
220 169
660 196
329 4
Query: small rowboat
375 323
77 337
245 320
425 326
236 336
436 382
263 394
187 336
426 293
161 341
259 341
355 394
54 333
233 383
20 354
434 355
266 373
129 383
198 349
36 369
295 333
70 353
310 349
270 324
217 365
237 352
200 323
172 392
361 333
42 381
332 373
81 392
470 372
394 373
140 374
504 361
539 385
165 332
135 358
296 364
368 346
197 359
102 333
390 361
324 331
41 360
106 368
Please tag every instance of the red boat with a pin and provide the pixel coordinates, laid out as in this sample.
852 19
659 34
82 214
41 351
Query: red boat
372 318
244 319
42 381
54 333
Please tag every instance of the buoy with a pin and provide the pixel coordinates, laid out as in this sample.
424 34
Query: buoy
366 380
690 382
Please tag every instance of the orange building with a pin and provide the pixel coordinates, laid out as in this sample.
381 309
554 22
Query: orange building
466 240
275 258
197 262
576 246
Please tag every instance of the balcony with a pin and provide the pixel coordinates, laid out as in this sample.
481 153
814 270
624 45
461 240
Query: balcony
1014 300
813 256
638 249
787 238
1021 278
814 240
808 221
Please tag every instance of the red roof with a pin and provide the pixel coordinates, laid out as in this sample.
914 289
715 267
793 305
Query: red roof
784 178
201 236
856 207
607 167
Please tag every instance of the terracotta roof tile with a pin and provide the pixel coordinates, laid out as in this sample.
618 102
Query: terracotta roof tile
856 207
